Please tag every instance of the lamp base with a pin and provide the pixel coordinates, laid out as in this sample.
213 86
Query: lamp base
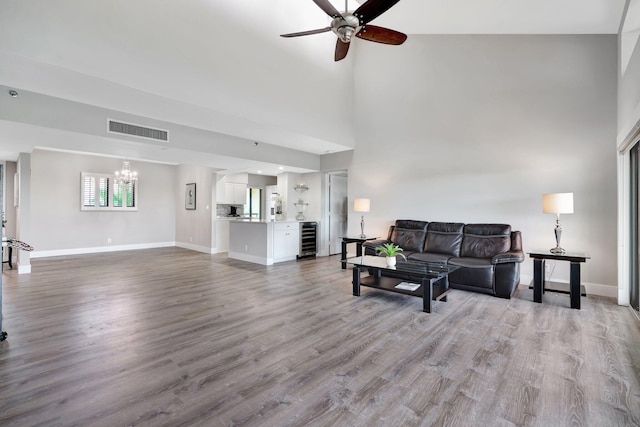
557 250
362 236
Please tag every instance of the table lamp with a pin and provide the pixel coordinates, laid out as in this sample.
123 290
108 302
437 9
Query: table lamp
361 205
557 203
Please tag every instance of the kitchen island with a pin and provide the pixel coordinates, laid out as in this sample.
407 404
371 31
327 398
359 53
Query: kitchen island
264 242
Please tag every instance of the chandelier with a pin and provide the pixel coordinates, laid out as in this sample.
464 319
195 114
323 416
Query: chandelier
126 176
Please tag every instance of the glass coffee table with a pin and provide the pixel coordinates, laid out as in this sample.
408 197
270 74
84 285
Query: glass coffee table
426 280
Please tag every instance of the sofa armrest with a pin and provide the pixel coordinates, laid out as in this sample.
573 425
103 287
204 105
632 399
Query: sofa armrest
511 256
370 246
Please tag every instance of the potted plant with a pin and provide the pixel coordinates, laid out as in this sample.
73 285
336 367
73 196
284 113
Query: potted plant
391 251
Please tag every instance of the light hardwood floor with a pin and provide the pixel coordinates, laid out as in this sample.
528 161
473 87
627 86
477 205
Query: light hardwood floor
171 337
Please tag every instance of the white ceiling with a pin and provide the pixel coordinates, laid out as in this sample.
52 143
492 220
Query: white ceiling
220 66
504 16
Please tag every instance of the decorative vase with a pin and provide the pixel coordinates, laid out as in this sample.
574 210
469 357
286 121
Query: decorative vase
391 261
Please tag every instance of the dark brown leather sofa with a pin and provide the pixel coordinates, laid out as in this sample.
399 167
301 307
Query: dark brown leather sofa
489 254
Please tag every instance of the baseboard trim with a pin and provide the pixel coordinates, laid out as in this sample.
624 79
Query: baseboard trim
592 288
24 269
196 248
99 249
251 258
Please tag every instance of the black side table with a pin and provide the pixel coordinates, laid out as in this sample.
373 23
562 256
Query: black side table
10 254
358 241
575 258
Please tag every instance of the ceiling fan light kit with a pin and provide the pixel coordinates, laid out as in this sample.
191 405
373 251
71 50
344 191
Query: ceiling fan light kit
346 25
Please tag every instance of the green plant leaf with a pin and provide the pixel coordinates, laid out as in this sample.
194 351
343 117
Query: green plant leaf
390 250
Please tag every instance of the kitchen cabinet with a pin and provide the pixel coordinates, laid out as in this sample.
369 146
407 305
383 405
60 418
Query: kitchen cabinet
286 241
231 193
235 194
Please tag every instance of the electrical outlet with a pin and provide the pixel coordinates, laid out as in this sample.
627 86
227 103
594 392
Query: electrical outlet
191 239
246 248
109 240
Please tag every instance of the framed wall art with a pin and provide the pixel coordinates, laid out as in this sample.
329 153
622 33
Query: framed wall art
190 196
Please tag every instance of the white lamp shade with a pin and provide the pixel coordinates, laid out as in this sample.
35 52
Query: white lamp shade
361 205
557 203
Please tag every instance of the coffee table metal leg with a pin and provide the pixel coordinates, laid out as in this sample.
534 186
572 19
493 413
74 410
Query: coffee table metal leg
538 279
344 254
574 285
356 281
445 279
427 294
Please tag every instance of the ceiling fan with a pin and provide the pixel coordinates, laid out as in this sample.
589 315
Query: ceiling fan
346 24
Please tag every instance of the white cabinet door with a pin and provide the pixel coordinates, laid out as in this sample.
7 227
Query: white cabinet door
235 194
228 193
239 194
286 241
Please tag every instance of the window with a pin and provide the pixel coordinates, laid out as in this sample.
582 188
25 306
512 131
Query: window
254 200
124 195
101 192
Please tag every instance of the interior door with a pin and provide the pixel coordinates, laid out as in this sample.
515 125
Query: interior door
337 212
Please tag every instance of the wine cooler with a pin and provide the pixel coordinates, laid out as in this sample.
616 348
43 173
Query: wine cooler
308 239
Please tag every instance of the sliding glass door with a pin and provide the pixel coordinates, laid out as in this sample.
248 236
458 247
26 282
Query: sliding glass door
634 282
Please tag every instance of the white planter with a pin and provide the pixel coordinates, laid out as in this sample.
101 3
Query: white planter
391 261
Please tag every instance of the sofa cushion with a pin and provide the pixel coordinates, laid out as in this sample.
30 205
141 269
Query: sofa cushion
485 240
430 257
412 224
476 272
408 239
444 238
409 234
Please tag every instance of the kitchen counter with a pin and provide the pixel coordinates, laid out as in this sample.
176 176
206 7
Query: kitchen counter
264 242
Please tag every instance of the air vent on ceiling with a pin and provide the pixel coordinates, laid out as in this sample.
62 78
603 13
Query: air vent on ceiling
137 130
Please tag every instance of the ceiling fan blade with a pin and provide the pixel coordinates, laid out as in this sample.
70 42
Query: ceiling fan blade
328 8
307 33
341 50
372 9
381 35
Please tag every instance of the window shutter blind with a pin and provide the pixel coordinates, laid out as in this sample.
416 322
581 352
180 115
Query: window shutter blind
117 195
131 195
89 191
104 192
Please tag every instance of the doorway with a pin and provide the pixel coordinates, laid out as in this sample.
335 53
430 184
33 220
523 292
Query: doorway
634 227
337 211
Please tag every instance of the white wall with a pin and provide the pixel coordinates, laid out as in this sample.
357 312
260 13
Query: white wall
24 219
58 224
9 208
194 228
313 196
479 127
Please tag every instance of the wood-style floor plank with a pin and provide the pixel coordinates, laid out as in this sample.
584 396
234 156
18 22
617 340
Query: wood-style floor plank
171 337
